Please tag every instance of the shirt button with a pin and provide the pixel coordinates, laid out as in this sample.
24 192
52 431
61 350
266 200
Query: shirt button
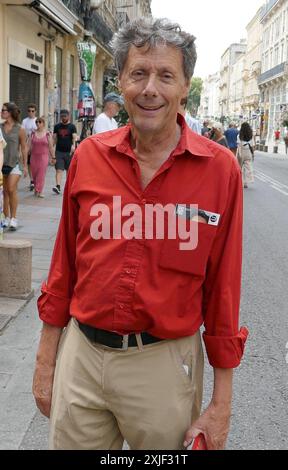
128 271
121 306
144 201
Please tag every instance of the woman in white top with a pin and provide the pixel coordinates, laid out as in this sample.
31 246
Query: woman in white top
245 153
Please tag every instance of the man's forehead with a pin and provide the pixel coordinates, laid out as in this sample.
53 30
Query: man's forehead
145 52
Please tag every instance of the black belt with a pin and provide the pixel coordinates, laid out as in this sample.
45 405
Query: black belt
113 340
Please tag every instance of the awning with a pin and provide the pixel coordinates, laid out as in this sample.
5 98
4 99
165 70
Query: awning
57 13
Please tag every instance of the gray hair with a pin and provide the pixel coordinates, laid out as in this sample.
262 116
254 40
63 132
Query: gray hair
154 32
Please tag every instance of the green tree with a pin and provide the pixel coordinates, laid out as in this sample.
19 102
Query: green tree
194 95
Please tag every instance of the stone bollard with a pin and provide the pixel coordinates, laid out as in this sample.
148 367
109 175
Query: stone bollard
16 269
265 148
275 149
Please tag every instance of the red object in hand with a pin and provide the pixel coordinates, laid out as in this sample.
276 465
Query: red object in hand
199 443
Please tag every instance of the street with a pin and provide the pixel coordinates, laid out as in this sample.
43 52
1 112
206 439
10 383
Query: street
259 415
261 394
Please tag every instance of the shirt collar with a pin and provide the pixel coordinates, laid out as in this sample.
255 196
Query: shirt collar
190 141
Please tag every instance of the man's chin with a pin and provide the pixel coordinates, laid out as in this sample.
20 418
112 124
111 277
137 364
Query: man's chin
146 126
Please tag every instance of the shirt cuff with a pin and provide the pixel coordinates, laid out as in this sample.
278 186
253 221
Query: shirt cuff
53 309
225 352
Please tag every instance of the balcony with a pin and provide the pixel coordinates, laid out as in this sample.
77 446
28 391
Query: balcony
267 8
76 7
100 29
92 20
276 72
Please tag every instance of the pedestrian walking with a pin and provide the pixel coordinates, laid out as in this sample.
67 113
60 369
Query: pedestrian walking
231 135
65 136
40 147
277 136
130 362
245 153
206 129
2 144
286 143
217 134
15 164
29 124
105 121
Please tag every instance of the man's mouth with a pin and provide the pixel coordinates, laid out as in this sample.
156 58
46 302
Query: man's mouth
150 108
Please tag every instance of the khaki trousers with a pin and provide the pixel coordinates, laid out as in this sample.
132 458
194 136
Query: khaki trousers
148 396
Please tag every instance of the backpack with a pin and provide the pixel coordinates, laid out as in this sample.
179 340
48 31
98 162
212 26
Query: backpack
245 151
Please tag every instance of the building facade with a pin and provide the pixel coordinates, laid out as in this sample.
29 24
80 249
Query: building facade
236 89
38 49
129 10
273 81
251 72
228 61
209 104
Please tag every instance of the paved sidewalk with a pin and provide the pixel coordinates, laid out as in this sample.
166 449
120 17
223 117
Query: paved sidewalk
273 156
38 222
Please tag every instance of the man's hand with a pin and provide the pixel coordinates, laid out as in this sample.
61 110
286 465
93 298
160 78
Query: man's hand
42 387
214 424
45 367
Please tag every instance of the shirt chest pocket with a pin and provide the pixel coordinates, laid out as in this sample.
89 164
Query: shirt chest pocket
189 261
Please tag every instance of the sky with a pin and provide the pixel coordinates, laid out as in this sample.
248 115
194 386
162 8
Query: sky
216 25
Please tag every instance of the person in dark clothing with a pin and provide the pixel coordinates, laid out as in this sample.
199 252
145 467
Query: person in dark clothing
65 136
205 131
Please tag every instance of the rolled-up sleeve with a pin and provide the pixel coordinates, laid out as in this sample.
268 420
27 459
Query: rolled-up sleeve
223 339
56 292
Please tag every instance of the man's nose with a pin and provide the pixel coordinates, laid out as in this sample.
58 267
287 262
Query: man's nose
150 88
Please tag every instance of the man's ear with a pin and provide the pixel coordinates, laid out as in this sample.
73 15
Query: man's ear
118 84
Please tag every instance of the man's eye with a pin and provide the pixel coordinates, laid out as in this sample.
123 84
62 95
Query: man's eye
167 76
138 73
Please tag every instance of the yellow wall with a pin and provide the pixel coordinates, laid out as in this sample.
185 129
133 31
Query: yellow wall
15 25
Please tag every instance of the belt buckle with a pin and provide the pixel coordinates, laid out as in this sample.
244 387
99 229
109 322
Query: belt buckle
125 342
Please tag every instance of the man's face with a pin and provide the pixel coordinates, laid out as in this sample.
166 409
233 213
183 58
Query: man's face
64 118
31 112
112 108
153 84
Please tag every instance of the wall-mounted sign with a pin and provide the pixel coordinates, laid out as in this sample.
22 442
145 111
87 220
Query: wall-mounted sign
34 56
23 56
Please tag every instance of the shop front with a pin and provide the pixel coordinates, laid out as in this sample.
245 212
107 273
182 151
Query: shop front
26 70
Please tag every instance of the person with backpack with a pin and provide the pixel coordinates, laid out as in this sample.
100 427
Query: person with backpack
245 154
40 146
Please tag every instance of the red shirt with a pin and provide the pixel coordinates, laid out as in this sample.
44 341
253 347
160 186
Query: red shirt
150 284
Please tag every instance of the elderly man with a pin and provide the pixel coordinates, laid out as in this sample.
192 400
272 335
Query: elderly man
129 364
217 134
105 121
